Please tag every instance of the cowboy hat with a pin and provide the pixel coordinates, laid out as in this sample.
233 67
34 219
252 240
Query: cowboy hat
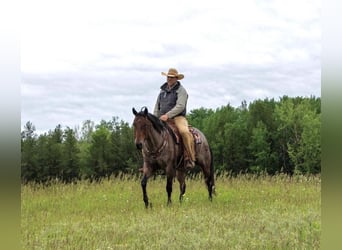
173 73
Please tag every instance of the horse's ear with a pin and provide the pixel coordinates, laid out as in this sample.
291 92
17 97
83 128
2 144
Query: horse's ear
145 111
134 111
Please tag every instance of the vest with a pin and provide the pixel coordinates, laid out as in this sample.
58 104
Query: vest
168 99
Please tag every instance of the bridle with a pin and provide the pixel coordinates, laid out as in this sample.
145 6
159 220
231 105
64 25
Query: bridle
155 153
158 152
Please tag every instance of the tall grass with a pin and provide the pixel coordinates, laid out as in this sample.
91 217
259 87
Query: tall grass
248 212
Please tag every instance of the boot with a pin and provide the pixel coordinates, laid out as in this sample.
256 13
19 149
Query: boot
188 162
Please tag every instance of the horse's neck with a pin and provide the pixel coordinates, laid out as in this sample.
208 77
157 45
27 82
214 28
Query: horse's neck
155 139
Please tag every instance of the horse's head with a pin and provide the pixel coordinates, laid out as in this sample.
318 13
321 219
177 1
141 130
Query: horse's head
143 124
140 126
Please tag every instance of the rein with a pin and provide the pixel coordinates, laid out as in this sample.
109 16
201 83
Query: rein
158 152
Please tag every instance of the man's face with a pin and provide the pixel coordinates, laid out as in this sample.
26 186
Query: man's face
171 80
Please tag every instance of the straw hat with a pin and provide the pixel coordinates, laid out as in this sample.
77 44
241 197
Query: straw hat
173 73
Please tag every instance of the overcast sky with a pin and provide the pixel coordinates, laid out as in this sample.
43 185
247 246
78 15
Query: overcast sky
94 60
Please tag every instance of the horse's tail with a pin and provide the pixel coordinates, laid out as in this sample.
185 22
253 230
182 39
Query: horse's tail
212 171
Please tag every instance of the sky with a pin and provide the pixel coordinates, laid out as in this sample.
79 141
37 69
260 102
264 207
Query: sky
95 60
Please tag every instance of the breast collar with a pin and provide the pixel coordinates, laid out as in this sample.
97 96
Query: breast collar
157 153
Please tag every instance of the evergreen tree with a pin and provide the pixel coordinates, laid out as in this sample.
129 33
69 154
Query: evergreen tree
236 141
28 153
87 129
54 153
100 152
43 159
70 156
264 136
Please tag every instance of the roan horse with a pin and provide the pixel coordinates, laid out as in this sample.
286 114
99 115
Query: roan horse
161 150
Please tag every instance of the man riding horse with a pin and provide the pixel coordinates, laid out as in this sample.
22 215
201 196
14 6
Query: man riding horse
171 104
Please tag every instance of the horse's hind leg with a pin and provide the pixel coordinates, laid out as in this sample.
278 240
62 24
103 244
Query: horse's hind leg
169 189
182 185
210 187
209 180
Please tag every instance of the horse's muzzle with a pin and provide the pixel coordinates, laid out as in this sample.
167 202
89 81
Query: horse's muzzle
139 146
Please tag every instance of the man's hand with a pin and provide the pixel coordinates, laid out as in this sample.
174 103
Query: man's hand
164 118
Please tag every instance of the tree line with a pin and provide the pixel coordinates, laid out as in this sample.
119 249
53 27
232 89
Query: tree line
266 136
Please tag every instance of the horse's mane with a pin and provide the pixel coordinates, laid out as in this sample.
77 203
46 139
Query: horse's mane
156 122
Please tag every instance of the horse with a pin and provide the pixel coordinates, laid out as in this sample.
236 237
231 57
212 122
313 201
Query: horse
161 151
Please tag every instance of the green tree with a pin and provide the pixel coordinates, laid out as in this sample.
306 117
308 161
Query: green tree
262 127
100 152
70 156
213 128
236 141
54 152
305 151
265 136
43 159
197 117
227 134
262 111
260 150
299 134
127 157
87 129
85 162
85 165
28 153
310 146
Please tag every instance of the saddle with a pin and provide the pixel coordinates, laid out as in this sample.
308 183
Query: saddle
176 135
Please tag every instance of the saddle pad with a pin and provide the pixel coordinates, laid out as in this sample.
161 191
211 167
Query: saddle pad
196 135
194 132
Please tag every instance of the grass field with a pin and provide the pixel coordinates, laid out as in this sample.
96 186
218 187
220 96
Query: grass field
248 212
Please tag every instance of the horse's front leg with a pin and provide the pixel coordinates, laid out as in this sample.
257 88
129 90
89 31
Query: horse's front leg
182 186
143 186
170 173
169 181
147 174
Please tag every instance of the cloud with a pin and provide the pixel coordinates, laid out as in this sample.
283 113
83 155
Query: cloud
97 61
